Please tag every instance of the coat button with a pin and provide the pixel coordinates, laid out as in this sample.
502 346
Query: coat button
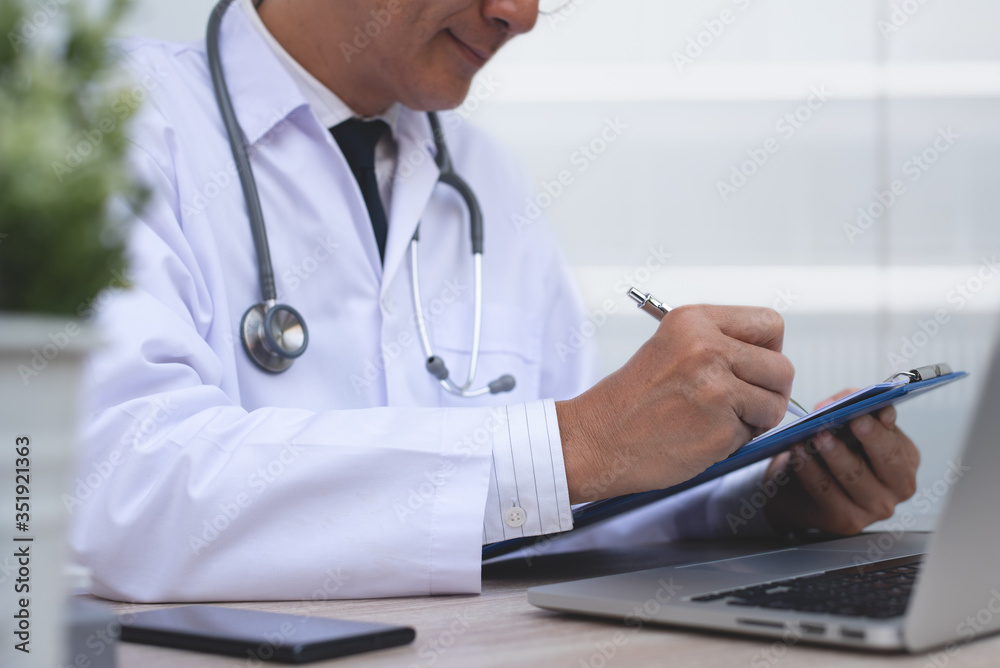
514 517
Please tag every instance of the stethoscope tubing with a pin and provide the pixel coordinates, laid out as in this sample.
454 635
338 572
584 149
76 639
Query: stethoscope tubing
263 346
237 143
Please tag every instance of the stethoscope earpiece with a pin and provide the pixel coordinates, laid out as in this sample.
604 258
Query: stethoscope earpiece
504 383
273 335
436 367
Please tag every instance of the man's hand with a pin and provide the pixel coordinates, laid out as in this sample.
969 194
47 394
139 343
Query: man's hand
710 379
842 483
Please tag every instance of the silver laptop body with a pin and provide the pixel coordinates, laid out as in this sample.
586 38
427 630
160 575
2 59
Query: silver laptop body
956 597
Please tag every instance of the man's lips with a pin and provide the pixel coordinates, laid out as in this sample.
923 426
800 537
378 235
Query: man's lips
477 57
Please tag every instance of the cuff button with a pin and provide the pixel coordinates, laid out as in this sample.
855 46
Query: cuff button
514 517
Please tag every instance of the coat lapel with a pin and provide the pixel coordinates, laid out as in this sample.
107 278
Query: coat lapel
413 185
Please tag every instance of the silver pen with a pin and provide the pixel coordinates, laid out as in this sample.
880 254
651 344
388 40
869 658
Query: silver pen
658 309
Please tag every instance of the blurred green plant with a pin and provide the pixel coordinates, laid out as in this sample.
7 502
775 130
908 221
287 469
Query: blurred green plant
63 114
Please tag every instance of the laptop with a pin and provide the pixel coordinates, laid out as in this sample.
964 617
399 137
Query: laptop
912 593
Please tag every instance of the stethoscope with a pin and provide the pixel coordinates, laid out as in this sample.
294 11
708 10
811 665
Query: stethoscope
274 334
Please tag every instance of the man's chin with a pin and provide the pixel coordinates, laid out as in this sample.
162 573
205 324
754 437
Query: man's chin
439 98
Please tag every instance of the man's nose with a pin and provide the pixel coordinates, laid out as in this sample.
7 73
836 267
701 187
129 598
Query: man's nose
517 16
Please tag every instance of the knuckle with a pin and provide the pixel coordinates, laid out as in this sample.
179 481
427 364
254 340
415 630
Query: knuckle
702 372
702 351
777 409
885 510
687 316
893 454
824 485
714 393
856 525
772 322
788 371
848 524
855 473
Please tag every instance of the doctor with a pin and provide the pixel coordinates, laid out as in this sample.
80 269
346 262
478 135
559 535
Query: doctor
355 472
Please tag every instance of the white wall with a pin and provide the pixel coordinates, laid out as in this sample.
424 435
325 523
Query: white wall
849 299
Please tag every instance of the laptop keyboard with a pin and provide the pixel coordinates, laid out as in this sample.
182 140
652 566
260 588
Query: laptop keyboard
878 591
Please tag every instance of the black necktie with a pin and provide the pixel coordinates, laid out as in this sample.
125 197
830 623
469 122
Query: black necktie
357 139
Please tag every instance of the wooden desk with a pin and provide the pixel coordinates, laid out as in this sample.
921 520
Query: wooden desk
500 628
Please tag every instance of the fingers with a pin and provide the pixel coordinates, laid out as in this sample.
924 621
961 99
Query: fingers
833 510
762 327
893 456
849 489
738 352
757 407
852 473
764 368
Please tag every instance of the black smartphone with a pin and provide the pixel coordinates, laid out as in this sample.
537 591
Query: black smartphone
261 636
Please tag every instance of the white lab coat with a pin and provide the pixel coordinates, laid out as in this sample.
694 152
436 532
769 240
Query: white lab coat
205 478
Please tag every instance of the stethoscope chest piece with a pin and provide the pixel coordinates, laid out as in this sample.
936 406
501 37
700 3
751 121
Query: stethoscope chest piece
273 335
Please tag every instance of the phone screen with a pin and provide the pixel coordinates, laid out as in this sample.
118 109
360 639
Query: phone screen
262 636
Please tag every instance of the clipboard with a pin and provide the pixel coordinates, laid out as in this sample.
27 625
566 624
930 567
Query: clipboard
897 388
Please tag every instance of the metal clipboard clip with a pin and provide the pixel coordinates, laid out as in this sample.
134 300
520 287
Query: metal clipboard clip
921 373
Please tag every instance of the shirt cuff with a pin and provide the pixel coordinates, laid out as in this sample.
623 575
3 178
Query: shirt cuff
736 506
528 493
